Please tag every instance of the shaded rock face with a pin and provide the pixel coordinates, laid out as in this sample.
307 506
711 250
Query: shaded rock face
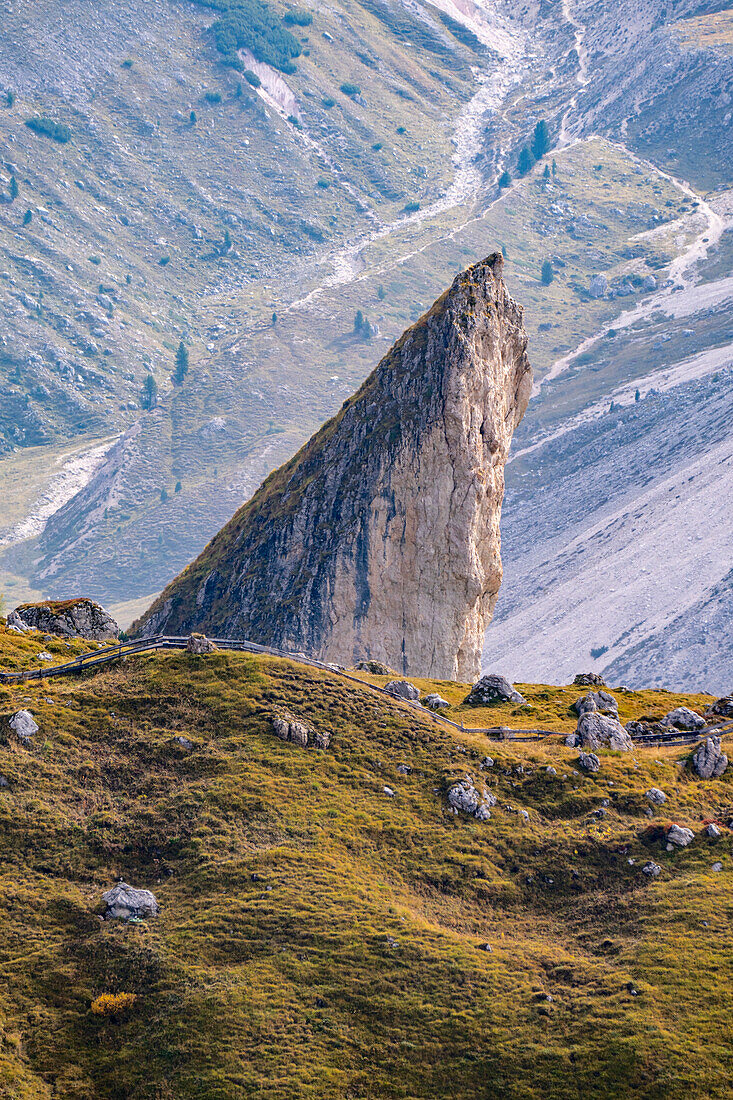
80 618
379 540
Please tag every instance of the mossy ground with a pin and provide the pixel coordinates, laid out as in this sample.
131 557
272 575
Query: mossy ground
321 939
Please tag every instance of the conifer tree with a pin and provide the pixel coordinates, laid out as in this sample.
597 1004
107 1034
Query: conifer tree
181 364
525 162
540 139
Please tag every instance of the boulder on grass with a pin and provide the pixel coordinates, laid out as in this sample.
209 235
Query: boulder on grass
435 701
200 645
466 799
656 797
682 718
721 708
589 762
78 618
375 667
23 725
597 730
289 728
125 902
601 701
403 689
678 836
492 688
708 760
589 679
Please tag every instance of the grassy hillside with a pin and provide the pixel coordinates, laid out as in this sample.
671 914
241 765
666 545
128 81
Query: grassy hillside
319 938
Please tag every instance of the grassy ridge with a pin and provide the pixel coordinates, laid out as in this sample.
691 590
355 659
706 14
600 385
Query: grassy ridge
319 938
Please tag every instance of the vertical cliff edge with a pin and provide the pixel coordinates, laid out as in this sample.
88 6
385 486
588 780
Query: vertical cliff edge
380 537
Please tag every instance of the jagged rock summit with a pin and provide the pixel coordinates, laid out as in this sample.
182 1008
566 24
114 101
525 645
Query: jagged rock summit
379 540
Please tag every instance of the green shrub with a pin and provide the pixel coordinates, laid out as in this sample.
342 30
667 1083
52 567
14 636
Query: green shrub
59 131
350 89
297 18
328 103
127 63
547 273
252 25
9 99
252 78
28 217
164 260
411 207
212 97
377 146
401 130
96 260
13 189
504 179
324 184
295 122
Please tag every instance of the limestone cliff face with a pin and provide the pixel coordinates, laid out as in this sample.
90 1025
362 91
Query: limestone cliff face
380 538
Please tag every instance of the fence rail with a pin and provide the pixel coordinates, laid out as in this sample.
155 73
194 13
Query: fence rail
100 657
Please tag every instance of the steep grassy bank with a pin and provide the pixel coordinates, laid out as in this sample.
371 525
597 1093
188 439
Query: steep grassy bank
320 938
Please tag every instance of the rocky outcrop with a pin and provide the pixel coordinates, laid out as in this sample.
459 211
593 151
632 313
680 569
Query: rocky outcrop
289 728
492 689
379 540
708 760
80 618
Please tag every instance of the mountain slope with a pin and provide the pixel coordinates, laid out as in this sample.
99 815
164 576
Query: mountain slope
318 937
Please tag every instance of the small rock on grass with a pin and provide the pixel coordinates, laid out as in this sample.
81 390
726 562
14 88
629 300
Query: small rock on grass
713 831
657 797
651 869
679 837
717 867
23 725
589 762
